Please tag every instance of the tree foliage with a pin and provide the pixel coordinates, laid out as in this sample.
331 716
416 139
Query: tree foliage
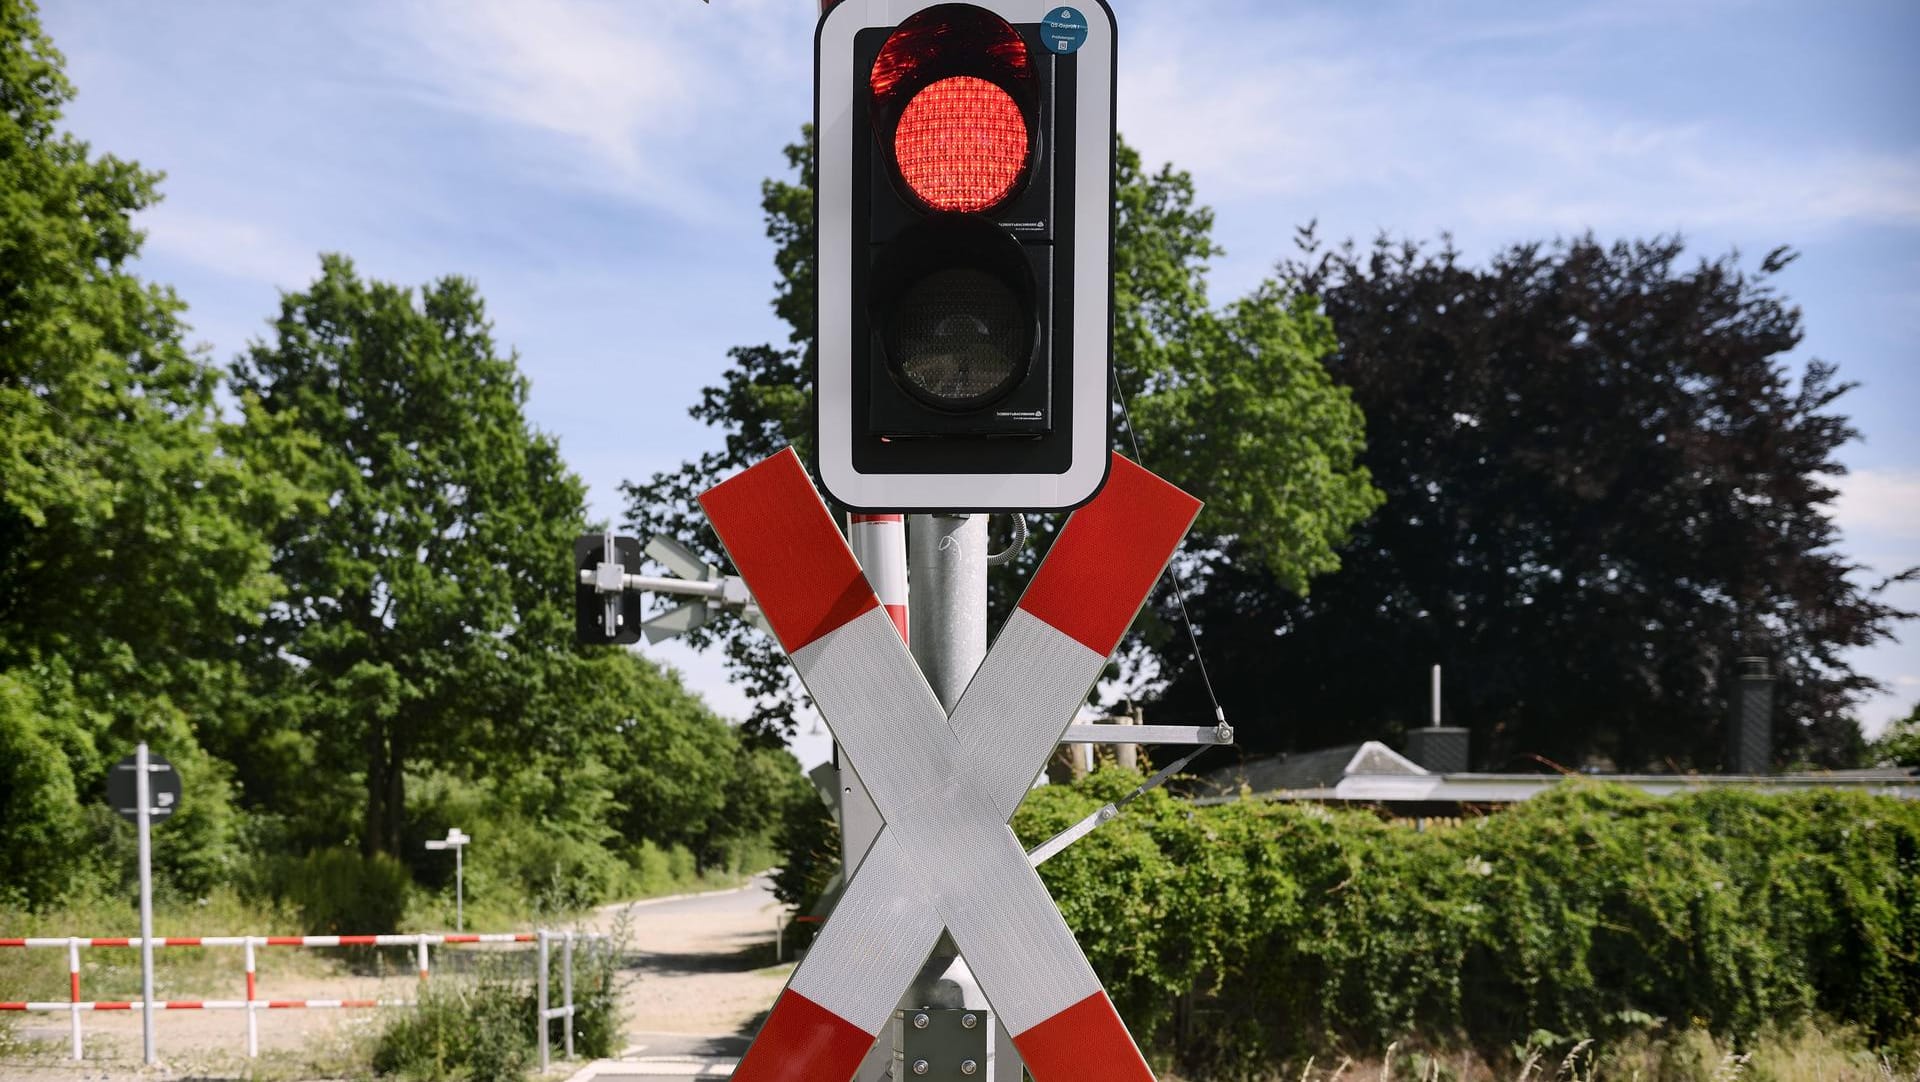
1900 744
128 563
1602 486
426 600
1230 402
349 588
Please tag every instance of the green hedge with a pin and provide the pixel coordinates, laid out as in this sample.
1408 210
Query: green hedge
1236 937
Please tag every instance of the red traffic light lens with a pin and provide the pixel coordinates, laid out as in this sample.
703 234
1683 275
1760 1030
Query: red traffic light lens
962 144
954 104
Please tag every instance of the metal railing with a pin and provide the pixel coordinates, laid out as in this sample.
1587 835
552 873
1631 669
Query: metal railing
76 1007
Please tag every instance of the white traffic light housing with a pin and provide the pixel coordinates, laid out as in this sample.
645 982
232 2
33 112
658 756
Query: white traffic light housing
965 218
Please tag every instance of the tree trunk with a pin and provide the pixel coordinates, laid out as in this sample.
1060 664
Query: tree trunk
376 828
396 794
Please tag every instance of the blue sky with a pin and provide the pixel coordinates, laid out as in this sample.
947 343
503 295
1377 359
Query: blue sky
595 166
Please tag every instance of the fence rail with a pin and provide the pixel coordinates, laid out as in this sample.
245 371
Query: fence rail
252 1005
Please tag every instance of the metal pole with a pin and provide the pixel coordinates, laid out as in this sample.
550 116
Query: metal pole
253 1019
73 989
947 567
947 570
541 982
566 985
143 793
1436 696
460 888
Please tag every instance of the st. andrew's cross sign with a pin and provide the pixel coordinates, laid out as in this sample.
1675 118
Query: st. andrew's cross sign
946 785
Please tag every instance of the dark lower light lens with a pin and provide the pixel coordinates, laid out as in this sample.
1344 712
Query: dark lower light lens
960 338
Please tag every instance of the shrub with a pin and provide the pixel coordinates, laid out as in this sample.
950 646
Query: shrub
480 1030
340 891
41 826
1235 936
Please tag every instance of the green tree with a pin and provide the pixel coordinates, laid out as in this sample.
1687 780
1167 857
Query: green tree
1230 402
128 565
1602 486
428 597
1900 744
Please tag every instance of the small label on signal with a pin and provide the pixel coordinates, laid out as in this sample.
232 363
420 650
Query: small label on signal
1064 30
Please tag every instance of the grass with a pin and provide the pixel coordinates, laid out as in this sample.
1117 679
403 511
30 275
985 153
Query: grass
1807 1054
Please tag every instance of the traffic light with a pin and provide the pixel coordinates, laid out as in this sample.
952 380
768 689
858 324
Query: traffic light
965 186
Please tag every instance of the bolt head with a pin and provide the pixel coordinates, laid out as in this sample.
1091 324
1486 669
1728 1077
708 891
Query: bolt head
967 1066
920 1066
920 1021
969 1021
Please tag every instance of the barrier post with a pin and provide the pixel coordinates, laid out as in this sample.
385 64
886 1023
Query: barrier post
541 982
566 980
253 1018
779 936
143 791
73 989
423 957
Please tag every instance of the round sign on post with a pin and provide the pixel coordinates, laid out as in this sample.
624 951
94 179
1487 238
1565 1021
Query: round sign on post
163 787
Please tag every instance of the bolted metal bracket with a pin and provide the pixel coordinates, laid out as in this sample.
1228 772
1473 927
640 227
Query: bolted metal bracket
941 1044
609 586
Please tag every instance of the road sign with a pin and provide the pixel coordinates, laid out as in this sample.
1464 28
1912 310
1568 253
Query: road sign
946 785
163 783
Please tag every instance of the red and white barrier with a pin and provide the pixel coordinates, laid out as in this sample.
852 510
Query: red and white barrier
252 1004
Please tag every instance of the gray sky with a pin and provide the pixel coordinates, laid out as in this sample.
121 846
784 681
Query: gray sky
595 166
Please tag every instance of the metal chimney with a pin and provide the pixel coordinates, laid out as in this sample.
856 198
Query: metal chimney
1750 717
1440 749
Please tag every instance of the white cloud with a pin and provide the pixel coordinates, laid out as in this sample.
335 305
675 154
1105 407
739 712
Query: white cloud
1324 116
574 69
230 246
645 94
1880 504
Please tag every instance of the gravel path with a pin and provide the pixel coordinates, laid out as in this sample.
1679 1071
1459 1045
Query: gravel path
701 965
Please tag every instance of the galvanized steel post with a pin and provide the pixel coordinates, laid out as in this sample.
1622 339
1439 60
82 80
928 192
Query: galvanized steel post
540 980
143 793
566 984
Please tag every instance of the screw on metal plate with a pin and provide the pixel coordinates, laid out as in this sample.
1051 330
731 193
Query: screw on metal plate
969 1020
968 1066
920 1021
1108 813
920 1066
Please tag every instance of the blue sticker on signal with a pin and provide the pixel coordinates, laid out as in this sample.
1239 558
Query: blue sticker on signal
1064 30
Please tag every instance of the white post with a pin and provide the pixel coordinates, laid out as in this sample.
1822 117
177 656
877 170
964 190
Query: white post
566 982
1436 696
460 888
540 982
143 792
253 1019
73 989
421 943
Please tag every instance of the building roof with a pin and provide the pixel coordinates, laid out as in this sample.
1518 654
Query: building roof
1372 773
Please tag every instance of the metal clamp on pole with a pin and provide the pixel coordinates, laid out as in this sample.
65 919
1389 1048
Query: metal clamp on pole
609 586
